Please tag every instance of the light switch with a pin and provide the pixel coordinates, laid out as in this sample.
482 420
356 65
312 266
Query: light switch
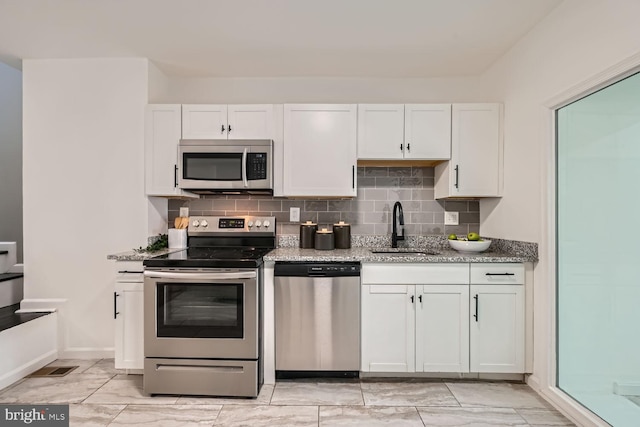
451 218
294 214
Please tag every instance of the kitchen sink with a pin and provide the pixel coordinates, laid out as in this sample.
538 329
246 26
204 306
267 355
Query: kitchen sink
403 252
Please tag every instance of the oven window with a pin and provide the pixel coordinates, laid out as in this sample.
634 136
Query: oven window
212 166
200 310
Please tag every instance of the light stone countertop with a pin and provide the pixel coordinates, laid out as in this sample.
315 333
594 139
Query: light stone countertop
365 255
134 255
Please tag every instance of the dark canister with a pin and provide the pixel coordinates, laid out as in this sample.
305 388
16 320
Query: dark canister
324 240
342 235
308 235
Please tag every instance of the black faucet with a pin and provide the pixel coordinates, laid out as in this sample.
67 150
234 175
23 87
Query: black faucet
397 207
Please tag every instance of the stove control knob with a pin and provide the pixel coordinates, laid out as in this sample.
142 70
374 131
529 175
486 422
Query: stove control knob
250 224
195 223
204 223
266 223
258 223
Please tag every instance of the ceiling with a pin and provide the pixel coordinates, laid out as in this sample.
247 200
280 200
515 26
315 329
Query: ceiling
274 38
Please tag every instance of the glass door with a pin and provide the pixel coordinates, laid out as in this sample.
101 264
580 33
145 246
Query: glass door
598 253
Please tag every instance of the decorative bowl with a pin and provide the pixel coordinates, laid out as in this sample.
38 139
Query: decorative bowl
470 245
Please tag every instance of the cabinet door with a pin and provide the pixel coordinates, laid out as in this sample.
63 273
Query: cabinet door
250 121
442 328
388 328
162 135
203 121
380 131
129 339
427 133
320 150
496 328
476 150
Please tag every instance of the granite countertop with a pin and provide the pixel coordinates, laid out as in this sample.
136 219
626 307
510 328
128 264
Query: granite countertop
365 255
134 255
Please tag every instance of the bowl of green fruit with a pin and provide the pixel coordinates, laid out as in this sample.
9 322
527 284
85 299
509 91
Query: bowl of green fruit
472 242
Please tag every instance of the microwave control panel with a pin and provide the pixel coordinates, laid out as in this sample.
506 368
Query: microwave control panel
256 166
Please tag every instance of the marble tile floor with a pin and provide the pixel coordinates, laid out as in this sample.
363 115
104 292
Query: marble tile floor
99 395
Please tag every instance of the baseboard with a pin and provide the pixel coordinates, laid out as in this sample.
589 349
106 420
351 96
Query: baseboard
533 382
27 347
575 412
86 353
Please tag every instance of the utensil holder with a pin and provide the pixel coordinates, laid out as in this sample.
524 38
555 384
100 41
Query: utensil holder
177 238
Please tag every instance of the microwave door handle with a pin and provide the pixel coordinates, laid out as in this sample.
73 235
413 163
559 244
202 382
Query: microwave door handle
244 168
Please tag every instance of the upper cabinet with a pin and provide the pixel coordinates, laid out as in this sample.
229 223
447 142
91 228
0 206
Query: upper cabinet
404 131
162 135
203 121
476 165
320 150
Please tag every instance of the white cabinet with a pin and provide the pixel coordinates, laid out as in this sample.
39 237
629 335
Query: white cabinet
476 165
404 131
320 150
205 121
497 321
415 318
162 135
128 315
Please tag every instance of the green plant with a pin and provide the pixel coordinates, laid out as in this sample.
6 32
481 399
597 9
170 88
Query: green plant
161 242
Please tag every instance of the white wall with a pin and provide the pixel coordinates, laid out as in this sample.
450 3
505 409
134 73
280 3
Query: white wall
11 156
577 41
83 187
322 90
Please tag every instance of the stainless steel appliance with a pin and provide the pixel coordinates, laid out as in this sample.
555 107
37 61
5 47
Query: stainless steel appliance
203 310
226 166
317 309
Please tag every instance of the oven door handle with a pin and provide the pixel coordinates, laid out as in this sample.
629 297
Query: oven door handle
200 275
244 168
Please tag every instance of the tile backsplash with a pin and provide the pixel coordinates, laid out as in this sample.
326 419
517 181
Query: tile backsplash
368 213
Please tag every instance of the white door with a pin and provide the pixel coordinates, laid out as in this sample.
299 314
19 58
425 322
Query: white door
204 121
442 328
320 150
476 150
388 328
380 131
427 132
250 121
496 328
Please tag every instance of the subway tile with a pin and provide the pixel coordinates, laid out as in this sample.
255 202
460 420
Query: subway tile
382 206
367 182
474 228
352 217
375 194
257 213
376 217
288 204
328 217
469 217
422 194
412 229
281 217
201 205
438 217
175 204
376 172
460 230
363 229
409 182
400 171
428 182
428 172
364 205
246 205
288 228
473 206
224 204
339 205
433 229
382 228
270 205
360 171
410 206
421 218
431 206
315 205
455 206
308 216
387 182
400 194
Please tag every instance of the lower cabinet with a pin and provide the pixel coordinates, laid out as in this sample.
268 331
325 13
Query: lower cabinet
454 318
128 315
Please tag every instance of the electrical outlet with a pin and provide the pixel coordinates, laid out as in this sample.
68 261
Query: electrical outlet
184 211
451 218
294 214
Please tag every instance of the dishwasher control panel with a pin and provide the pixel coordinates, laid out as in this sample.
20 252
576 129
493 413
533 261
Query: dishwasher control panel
323 269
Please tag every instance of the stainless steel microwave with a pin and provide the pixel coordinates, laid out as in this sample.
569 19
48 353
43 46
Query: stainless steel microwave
226 166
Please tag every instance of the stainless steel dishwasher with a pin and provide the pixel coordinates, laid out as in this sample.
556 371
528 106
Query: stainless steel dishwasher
317 308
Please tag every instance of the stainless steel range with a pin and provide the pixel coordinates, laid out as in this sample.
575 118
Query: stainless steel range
203 310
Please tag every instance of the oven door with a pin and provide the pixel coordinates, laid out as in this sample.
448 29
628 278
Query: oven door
245 165
201 313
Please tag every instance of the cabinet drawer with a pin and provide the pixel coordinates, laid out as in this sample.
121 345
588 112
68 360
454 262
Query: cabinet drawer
129 271
497 274
415 274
